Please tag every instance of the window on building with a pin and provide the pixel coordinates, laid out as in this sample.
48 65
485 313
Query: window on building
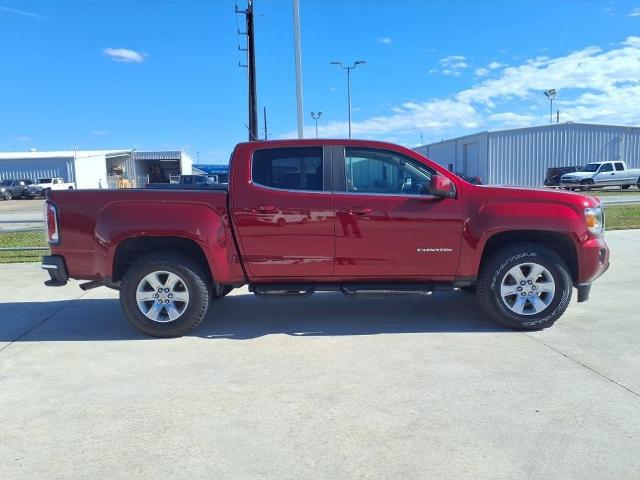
289 168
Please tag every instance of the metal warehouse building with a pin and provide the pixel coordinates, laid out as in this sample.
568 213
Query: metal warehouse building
97 168
521 156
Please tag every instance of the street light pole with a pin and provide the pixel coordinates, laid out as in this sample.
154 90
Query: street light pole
298 63
348 69
551 94
316 117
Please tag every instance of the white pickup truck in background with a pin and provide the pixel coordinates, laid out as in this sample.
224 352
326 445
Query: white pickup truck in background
41 185
602 174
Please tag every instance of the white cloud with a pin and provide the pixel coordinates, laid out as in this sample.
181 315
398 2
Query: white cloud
24 13
125 55
635 12
597 85
481 72
494 65
452 64
385 40
511 119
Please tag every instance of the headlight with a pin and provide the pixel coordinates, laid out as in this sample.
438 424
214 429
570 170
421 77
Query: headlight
595 220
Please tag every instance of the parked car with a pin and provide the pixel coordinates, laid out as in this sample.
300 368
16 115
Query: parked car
602 174
379 219
14 188
190 182
470 179
554 174
42 185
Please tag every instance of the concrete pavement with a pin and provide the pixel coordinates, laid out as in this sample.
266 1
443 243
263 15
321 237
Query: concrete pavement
21 215
326 387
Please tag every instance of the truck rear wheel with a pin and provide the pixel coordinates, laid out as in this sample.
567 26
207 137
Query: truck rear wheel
525 286
164 294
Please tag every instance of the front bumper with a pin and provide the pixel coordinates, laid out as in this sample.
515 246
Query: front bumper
593 263
55 265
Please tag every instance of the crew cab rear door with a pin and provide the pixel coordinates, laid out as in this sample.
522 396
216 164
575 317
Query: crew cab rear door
282 208
388 226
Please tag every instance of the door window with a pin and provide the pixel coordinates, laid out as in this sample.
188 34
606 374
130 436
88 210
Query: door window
619 166
607 167
289 168
384 172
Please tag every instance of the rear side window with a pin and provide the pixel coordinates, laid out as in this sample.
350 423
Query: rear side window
619 166
289 168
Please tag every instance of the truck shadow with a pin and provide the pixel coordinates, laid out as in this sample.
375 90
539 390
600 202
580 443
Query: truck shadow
243 317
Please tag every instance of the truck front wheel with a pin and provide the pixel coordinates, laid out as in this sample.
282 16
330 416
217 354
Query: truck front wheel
586 185
526 286
164 294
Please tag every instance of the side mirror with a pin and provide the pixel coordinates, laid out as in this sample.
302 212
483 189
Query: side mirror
442 187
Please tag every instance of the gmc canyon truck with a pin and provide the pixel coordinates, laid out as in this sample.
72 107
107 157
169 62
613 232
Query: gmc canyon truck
302 216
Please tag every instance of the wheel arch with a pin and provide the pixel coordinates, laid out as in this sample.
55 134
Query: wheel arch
560 243
130 249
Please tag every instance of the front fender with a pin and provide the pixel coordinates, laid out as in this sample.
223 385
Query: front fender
515 216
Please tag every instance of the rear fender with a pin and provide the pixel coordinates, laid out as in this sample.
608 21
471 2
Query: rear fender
207 226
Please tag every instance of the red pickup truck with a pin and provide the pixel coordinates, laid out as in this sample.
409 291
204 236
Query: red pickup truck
302 216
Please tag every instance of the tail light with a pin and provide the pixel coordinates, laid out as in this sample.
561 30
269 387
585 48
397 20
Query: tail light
51 232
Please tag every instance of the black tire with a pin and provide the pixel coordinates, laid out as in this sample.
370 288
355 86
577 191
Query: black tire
586 185
195 281
7 195
625 187
497 267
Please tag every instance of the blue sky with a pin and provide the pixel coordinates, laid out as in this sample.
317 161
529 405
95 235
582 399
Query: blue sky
162 74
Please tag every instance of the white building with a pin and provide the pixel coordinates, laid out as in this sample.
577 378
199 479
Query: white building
97 168
521 156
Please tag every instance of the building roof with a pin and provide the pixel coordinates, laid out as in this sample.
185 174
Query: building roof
61 154
536 127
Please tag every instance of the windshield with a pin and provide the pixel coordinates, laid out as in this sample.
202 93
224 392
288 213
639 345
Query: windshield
592 167
5 183
44 180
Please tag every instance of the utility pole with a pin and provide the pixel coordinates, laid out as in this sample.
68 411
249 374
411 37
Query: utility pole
298 58
348 69
266 135
316 117
251 69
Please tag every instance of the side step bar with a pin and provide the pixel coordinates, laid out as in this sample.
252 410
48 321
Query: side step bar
348 289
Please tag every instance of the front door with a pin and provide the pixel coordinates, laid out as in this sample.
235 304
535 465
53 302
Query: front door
606 175
387 223
284 215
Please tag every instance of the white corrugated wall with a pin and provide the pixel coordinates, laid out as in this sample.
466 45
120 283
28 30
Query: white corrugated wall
33 168
521 157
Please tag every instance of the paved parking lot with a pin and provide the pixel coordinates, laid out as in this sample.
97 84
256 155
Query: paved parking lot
327 387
